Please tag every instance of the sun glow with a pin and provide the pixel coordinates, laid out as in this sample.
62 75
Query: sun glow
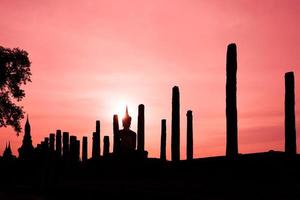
120 107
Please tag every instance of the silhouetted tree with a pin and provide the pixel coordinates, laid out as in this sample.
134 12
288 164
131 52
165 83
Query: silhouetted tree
14 71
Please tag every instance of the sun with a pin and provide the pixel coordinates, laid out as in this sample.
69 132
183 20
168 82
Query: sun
119 108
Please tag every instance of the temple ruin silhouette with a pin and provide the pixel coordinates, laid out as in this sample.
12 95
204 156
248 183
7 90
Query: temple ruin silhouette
62 158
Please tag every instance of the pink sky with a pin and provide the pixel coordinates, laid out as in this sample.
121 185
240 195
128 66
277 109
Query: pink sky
91 57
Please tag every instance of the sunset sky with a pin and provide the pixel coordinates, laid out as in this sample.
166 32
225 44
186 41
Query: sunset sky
90 58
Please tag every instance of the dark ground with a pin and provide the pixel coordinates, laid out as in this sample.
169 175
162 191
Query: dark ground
271 175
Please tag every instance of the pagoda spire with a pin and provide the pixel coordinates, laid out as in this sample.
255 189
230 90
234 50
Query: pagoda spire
27 126
26 150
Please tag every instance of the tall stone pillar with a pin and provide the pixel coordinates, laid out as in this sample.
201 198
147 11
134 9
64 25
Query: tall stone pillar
163 141
98 135
106 146
58 143
231 103
290 127
189 139
115 132
141 128
175 137
84 148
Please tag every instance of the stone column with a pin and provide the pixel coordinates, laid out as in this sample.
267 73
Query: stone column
231 103
290 127
52 142
58 143
66 145
115 132
141 128
189 139
84 148
163 140
45 146
99 136
46 143
96 141
77 155
175 137
73 147
106 146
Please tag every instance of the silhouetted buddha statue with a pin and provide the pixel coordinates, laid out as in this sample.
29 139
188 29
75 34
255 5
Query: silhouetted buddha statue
126 136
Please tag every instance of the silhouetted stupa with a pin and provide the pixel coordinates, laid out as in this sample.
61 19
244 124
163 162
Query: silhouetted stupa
26 150
7 154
